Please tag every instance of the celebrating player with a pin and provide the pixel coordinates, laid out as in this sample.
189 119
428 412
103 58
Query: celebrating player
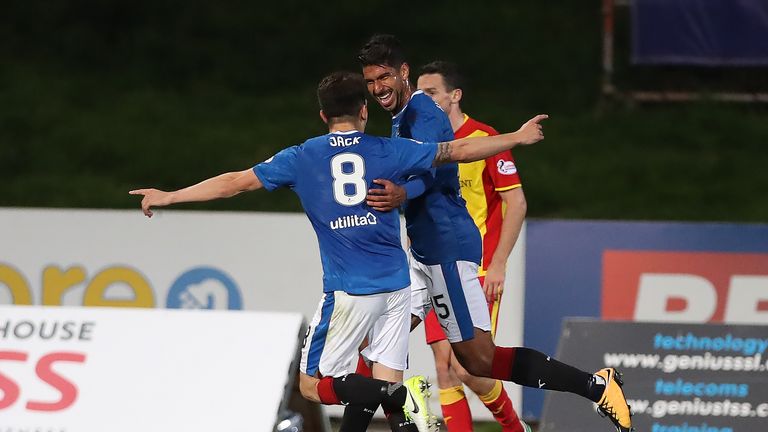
446 249
365 271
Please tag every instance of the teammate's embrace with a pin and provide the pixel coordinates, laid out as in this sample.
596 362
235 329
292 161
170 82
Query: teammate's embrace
365 271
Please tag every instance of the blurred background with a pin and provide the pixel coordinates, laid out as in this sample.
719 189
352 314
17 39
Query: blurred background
655 142
101 97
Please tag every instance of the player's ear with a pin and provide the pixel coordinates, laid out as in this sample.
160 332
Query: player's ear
456 95
323 117
405 70
363 117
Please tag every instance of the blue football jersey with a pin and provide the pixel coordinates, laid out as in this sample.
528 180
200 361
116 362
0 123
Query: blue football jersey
438 223
360 248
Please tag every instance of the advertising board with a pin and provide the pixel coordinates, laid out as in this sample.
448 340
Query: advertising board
128 369
678 377
644 271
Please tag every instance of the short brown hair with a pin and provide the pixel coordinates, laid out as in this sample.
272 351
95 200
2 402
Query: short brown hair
341 94
449 71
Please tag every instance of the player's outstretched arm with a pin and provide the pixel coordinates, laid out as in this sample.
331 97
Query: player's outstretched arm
222 186
477 148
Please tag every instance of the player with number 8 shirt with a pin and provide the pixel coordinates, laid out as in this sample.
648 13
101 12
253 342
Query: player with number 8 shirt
365 272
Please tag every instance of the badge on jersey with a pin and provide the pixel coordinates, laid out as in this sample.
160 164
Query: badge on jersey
506 167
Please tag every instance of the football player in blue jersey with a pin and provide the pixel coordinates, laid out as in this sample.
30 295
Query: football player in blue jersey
446 248
365 271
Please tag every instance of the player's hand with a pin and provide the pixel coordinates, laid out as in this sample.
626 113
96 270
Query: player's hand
390 197
152 198
493 286
531 132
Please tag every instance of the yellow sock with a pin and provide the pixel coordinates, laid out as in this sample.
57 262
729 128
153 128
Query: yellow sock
492 395
451 395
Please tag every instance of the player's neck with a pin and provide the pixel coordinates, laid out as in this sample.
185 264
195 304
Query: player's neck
345 126
405 99
456 117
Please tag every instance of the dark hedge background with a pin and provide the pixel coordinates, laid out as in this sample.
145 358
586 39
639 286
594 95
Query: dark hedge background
98 97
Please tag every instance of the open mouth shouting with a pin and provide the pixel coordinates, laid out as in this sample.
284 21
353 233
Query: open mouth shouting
386 99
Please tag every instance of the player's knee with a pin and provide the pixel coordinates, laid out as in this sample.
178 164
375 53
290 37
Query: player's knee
305 391
478 367
443 368
475 363
462 374
308 388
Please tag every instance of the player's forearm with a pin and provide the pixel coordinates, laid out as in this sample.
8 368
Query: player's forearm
511 226
477 148
221 186
473 149
415 186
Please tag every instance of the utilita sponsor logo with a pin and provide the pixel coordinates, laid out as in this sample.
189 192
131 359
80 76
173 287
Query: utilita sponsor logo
686 287
353 221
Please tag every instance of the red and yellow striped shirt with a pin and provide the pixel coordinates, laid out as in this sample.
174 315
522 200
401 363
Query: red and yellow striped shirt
481 182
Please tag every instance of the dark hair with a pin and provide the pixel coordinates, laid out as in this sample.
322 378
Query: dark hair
341 94
382 49
450 73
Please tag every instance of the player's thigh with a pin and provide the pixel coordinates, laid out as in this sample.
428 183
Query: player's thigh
389 336
308 387
379 371
458 300
336 331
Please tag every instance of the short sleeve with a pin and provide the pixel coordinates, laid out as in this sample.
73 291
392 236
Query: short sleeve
503 172
279 170
413 157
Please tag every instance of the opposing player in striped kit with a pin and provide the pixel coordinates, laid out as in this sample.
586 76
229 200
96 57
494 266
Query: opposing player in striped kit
495 200
365 271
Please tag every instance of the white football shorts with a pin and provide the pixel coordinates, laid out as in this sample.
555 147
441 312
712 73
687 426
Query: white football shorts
455 293
342 322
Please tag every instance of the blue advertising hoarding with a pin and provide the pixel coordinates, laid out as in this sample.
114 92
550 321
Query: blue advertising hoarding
700 32
687 272
677 377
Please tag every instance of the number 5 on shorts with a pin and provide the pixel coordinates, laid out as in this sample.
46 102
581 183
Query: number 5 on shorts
441 309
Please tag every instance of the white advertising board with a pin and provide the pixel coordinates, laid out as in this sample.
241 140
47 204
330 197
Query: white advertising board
191 259
127 370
